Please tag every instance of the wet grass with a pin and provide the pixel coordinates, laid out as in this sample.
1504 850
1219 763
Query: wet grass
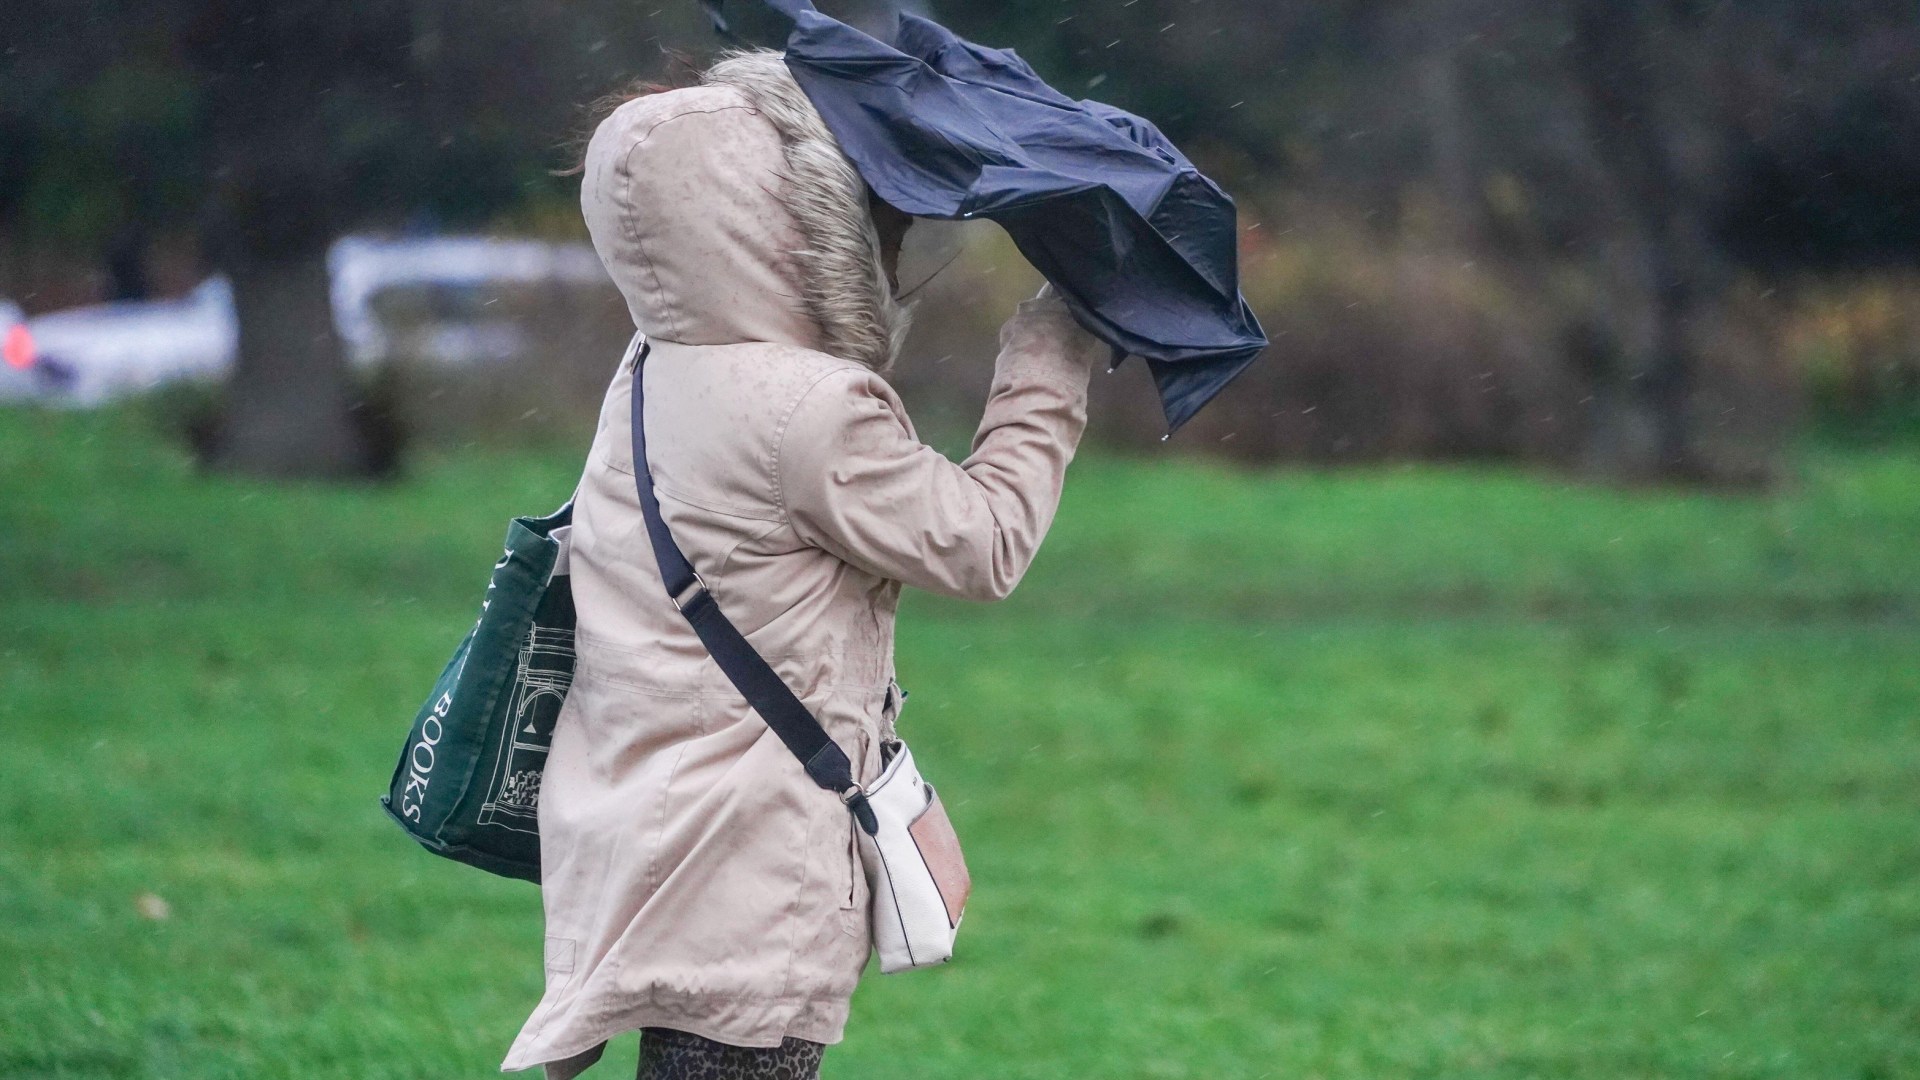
1399 773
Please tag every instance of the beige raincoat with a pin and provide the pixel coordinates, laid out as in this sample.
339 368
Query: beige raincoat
693 876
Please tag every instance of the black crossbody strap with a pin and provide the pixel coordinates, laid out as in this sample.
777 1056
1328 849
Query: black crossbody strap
750 673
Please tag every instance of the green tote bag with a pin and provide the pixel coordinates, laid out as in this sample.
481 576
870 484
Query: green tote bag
467 785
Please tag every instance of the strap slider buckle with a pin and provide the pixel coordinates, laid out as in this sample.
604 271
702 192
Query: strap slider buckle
690 593
855 798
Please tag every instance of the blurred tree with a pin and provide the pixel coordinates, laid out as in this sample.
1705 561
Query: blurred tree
1623 158
273 128
1658 254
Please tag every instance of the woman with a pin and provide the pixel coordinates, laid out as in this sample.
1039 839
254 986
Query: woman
697 884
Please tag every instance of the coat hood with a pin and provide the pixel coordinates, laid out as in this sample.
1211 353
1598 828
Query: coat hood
727 213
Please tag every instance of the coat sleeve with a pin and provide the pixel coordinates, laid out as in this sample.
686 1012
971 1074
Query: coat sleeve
855 482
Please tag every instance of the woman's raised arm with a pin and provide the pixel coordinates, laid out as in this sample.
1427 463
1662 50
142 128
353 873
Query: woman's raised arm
856 482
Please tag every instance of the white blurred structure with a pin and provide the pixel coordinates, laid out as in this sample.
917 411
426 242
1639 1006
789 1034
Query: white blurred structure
88 355
361 267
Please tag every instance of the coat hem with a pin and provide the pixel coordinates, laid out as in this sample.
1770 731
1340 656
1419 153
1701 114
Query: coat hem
808 1024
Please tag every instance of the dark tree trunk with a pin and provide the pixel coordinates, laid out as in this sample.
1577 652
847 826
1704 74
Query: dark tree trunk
290 409
281 192
1437 31
1645 426
127 265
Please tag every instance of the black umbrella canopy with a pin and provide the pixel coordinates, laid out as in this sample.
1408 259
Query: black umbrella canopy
1140 245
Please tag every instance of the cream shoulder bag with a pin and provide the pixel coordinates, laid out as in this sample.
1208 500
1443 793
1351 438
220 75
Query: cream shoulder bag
911 855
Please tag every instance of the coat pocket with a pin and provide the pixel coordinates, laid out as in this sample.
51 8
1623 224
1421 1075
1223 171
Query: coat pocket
863 767
559 958
891 703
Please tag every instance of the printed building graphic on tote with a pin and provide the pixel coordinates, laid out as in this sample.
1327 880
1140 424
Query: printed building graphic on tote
539 688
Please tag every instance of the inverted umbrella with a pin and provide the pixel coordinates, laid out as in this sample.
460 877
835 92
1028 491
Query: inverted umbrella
1138 243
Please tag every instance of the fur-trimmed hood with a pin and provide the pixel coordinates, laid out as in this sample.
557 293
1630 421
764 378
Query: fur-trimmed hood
726 213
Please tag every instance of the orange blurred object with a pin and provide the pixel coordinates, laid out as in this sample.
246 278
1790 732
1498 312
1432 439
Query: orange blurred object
18 347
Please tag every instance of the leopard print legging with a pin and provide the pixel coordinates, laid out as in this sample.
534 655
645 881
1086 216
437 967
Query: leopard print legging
666 1054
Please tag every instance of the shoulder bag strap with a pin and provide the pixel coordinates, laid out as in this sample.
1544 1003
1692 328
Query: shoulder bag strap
750 673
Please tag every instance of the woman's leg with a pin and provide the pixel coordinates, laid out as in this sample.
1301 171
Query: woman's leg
575 1065
666 1054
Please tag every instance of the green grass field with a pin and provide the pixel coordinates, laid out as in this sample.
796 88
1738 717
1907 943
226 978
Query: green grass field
1418 772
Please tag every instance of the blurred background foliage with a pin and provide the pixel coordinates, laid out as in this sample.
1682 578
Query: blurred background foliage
1635 238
